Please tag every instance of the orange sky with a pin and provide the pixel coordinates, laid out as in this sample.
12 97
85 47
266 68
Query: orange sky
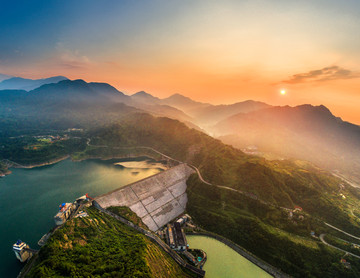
211 51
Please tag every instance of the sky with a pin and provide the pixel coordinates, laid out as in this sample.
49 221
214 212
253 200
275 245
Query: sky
212 51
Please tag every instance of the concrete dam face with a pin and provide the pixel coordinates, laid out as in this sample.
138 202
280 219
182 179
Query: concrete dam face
157 199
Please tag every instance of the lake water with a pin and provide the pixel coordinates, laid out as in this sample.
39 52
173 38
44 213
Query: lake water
224 262
29 198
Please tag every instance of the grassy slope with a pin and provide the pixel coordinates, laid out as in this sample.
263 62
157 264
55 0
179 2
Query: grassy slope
100 246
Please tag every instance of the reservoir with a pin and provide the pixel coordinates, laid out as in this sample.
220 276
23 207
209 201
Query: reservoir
222 261
29 198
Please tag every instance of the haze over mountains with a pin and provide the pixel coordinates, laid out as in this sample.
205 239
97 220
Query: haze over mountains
246 198
19 83
4 77
304 132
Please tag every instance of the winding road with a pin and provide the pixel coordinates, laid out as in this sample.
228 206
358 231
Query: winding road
247 194
323 241
333 227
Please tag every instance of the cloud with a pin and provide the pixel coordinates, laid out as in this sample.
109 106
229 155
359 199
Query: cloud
324 74
71 59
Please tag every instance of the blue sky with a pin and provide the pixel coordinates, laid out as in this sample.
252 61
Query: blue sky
228 50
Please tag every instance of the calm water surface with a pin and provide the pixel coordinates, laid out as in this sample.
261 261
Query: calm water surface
224 262
29 198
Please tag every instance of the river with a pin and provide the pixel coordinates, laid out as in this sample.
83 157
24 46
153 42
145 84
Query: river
222 261
29 198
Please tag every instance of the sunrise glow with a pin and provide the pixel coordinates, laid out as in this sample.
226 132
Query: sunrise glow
217 52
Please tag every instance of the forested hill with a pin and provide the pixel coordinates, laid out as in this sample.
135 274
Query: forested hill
78 103
281 182
254 220
100 246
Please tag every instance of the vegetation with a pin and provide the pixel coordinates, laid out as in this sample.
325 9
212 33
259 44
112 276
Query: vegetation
344 245
29 150
3 169
100 246
266 232
128 214
260 227
282 183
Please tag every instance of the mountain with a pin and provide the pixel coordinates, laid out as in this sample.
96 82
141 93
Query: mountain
206 114
4 77
215 113
74 103
184 103
78 91
89 99
156 106
18 83
305 132
143 97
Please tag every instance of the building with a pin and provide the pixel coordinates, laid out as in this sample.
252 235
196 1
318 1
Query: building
65 210
171 240
182 220
180 239
345 263
297 208
21 252
176 238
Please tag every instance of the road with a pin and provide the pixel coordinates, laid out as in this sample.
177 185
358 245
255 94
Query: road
333 227
247 194
323 241
156 240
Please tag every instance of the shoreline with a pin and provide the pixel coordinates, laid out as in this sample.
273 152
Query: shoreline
41 164
277 273
113 157
19 166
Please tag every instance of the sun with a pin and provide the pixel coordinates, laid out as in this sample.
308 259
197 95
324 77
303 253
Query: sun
283 92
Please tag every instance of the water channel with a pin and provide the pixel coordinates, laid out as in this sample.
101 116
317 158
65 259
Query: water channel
222 261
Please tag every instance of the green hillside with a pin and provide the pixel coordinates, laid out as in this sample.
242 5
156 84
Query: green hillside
258 223
282 183
100 246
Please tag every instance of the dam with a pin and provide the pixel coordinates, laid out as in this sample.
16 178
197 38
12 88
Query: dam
157 199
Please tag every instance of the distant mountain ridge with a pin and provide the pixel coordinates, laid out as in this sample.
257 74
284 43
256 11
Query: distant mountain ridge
304 132
183 102
4 77
69 94
145 98
176 106
19 83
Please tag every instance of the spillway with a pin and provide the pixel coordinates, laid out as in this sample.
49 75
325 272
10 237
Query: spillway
157 199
